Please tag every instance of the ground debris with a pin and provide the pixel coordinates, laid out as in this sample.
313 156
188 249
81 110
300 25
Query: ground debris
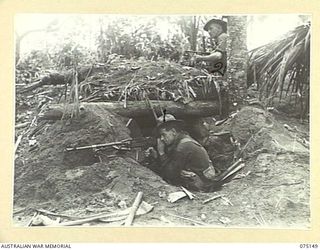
188 219
173 197
224 220
211 199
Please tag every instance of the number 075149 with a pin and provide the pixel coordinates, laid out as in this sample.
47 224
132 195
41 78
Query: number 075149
308 246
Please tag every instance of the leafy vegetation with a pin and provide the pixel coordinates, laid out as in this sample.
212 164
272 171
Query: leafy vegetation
129 37
281 68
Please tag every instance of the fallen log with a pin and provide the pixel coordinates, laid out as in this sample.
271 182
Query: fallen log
135 109
58 78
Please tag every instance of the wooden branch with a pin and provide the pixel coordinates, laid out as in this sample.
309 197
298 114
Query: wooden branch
31 220
136 109
187 219
22 125
188 193
60 78
43 211
17 143
226 173
88 219
134 209
236 169
113 219
143 208
19 211
211 199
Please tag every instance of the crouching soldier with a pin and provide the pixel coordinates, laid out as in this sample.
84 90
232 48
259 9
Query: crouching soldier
181 160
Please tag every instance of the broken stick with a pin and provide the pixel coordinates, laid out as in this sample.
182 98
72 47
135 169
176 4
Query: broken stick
188 219
88 219
22 125
17 143
211 199
188 193
29 224
226 173
134 209
43 211
236 169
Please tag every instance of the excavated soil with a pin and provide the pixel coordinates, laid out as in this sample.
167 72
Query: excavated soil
271 191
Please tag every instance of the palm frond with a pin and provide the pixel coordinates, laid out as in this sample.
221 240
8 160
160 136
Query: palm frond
283 65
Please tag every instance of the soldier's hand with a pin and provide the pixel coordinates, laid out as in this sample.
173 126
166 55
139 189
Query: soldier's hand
150 152
187 174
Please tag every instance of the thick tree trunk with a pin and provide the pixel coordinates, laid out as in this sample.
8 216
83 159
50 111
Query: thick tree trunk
135 109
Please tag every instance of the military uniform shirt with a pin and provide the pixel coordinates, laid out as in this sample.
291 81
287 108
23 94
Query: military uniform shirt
184 154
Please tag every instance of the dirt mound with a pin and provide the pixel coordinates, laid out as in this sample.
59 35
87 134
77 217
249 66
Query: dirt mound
95 126
252 131
221 151
248 121
49 158
248 130
259 131
98 185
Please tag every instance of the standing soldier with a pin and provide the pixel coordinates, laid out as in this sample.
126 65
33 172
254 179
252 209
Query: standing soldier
216 61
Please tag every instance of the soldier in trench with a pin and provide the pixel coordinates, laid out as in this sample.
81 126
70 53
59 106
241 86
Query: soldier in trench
178 158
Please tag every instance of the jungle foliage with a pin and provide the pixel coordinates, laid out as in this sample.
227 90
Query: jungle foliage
281 69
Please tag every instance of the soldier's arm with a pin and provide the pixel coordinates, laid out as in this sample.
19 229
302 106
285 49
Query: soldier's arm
217 54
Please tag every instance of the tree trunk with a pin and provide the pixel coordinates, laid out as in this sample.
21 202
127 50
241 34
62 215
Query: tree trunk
237 58
136 109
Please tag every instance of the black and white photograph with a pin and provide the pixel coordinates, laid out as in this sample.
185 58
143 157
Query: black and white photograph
195 120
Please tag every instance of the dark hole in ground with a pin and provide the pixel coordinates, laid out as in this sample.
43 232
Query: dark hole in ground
144 125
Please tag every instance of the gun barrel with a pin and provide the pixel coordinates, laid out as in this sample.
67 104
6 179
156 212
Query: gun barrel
197 52
129 143
99 145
